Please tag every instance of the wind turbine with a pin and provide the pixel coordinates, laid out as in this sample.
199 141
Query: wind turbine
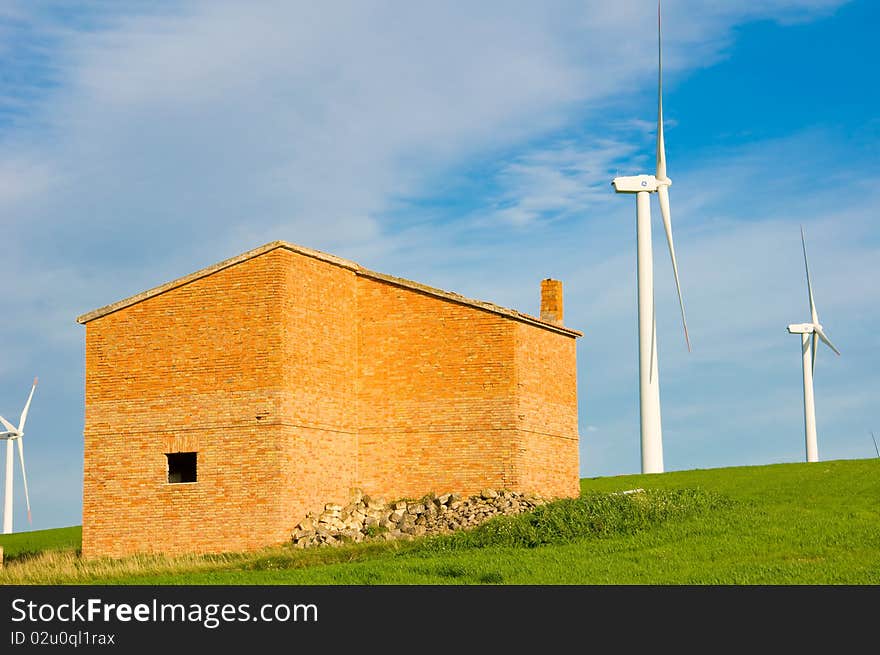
643 186
809 346
877 448
11 434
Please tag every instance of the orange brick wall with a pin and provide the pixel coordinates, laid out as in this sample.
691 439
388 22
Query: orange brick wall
192 368
296 380
547 397
435 395
318 404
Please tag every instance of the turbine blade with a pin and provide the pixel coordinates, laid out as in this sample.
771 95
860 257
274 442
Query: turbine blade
661 145
27 406
7 425
824 337
663 193
813 314
815 349
874 439
27 499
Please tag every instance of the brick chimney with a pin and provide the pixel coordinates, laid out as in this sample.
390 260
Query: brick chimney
551 301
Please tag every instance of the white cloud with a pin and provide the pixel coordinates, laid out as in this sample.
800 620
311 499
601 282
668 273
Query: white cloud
557 183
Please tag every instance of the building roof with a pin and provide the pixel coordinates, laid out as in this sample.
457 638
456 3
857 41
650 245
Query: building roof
330 259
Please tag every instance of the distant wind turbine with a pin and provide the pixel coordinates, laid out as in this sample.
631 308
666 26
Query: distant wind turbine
643 186
874 439
11 434
809 346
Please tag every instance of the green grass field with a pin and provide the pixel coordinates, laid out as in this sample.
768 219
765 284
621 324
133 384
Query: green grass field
22 545
778 524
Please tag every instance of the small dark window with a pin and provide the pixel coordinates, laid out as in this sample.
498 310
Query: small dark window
181 467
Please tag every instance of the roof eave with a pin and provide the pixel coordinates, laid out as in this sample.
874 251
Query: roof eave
336 261
210 270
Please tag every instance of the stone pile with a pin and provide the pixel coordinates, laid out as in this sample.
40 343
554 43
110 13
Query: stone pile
366 518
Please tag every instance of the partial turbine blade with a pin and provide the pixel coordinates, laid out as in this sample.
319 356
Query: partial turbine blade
7 425
27 499
874 439
813 314
823 336
661 146
663 193
815 343
27 406
663 189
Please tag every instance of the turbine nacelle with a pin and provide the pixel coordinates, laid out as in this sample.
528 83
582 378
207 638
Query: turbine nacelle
639 183
802 328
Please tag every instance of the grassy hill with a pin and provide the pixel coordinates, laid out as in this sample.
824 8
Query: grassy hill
779 524
21 545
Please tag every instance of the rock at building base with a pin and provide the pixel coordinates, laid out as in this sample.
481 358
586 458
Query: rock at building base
370 519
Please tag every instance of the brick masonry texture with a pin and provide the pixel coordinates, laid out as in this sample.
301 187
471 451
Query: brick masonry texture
551 300
297 377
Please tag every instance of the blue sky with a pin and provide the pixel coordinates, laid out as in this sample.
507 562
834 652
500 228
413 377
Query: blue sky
469 146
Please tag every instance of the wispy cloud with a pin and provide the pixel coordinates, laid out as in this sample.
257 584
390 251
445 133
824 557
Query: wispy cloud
556 183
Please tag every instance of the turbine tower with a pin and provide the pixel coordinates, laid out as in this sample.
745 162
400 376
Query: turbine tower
643 186
11 434
808 351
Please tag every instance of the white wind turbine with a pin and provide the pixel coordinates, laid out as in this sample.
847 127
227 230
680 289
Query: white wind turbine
643 186
808 350
11 434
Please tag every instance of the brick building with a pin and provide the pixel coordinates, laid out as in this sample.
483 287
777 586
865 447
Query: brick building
221 407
